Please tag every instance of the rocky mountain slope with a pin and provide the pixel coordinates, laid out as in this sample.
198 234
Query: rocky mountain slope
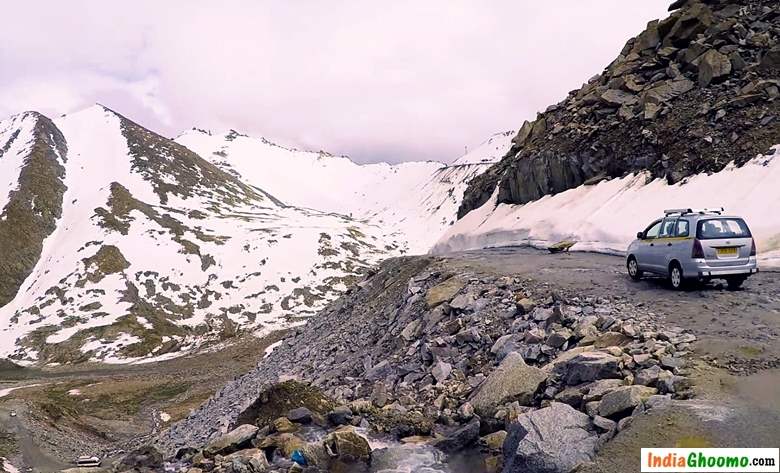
125 246
119 244
415 201
465 359
690 94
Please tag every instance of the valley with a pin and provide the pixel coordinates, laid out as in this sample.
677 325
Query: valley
218 302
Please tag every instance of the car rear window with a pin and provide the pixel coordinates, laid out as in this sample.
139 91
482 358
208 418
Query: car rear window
716 228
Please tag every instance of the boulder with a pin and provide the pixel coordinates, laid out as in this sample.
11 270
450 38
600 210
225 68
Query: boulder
237 439
347 446
554 439
493 442
513 380
589 366
283 425
340 415
441 371
713 67
443 292
252 460
667 90
145 458
622 401
459 439
618 97
524 133
771 59
300 415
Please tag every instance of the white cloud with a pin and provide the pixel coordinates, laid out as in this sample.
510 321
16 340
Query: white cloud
376 80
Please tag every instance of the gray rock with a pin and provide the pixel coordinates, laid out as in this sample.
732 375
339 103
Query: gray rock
513 380
648 376
558 338
604 424
535 335
589 366
459 439
713 66
622 401
461 302
554 439
411 331
237 439
618 98
441 371
300 415
379 371
341 415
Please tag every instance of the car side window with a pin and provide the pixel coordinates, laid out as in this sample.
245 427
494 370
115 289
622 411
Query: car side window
667 227
653 230
683 228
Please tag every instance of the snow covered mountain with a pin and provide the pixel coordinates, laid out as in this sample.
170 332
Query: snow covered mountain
119 244
415 201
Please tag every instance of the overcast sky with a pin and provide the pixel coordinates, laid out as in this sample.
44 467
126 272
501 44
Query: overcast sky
379 81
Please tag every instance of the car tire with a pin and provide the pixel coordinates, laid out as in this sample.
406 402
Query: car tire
633 269
676 277
735 283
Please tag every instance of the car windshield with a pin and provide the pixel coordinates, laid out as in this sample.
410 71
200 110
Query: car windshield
716 228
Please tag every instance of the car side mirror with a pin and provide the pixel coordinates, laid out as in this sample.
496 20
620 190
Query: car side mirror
640 235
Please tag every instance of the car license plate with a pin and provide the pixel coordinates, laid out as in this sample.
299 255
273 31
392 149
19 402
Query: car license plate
727 251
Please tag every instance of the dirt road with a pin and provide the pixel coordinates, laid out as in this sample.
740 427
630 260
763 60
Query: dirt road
735 362
743 325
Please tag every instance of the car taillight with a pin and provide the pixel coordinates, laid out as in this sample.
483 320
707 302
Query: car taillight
698 251
752 247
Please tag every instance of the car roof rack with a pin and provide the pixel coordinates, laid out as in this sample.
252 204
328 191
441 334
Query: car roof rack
678 211
718 211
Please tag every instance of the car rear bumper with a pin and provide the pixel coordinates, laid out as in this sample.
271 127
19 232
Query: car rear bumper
703 270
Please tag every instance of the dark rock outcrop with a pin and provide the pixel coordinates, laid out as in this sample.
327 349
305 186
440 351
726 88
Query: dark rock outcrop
689 94
33 208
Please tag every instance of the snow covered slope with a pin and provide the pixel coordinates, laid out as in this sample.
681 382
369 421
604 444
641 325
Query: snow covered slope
413 201
154 251
606 216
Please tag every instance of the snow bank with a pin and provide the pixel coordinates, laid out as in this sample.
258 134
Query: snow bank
605 217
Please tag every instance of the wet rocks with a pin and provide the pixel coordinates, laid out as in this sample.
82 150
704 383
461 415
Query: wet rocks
550 440
459 439
513 380
347 446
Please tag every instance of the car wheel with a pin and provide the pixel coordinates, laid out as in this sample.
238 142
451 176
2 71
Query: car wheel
735 283
633 269
676 276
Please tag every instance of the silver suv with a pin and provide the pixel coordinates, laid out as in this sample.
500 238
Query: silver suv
689 245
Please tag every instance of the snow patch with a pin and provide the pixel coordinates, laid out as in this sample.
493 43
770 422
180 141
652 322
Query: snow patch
605 217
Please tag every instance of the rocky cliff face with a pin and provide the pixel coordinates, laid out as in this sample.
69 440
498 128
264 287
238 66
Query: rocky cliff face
689 94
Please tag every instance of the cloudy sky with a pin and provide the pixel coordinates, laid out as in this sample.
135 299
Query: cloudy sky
379 81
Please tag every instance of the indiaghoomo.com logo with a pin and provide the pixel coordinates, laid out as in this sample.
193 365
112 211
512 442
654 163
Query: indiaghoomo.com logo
724 460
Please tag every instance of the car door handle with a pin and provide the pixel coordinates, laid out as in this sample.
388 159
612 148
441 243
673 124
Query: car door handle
668 244
652 244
